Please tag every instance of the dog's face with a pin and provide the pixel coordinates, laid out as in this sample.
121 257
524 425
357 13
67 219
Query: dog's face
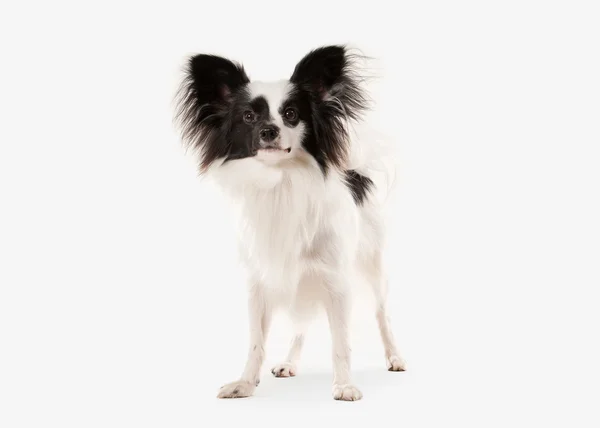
228 117
267 121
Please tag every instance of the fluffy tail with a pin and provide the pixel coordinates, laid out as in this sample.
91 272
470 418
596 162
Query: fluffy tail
373 154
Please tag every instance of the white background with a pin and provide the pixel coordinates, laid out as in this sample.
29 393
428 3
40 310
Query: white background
120 303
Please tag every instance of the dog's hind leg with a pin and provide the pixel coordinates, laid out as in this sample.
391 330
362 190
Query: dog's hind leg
288 367
302 312
373 271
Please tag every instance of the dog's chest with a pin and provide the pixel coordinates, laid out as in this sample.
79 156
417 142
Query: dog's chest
278 228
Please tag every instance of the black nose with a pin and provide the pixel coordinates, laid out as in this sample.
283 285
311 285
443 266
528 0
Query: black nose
269 133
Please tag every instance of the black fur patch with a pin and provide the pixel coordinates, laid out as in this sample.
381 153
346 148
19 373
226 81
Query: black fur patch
260 106
359 185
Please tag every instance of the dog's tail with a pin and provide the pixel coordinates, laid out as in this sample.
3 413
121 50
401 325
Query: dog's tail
373 154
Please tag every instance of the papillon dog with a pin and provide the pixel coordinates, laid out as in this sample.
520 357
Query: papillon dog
311 220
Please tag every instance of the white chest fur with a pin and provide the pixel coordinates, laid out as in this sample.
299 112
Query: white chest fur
304 221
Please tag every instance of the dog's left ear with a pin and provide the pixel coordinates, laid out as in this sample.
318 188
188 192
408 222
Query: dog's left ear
330 72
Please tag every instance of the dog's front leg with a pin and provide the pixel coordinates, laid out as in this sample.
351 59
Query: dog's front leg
338 313
259 320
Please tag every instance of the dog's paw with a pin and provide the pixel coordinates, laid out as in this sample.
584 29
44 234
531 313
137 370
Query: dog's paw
239 389
346 393
284 370
396 364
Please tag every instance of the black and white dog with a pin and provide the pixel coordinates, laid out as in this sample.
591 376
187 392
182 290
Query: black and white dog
311 220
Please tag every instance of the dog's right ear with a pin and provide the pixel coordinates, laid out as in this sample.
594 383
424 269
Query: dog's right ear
204 100
214 78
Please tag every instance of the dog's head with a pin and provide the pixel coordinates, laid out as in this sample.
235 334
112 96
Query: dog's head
227 117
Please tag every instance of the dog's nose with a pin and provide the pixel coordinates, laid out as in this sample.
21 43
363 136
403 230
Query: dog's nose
269 133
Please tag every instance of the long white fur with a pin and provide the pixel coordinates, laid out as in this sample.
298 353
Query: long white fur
302 238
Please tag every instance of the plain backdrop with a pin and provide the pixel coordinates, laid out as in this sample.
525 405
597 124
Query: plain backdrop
120 302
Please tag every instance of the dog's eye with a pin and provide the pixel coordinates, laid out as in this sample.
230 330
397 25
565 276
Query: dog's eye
291 114
248 117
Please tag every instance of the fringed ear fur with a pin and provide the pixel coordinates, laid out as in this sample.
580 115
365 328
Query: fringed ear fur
330 73
203 101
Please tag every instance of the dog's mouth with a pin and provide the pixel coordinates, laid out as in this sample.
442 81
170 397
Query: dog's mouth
275 150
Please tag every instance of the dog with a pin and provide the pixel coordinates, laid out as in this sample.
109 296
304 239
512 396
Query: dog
282 151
